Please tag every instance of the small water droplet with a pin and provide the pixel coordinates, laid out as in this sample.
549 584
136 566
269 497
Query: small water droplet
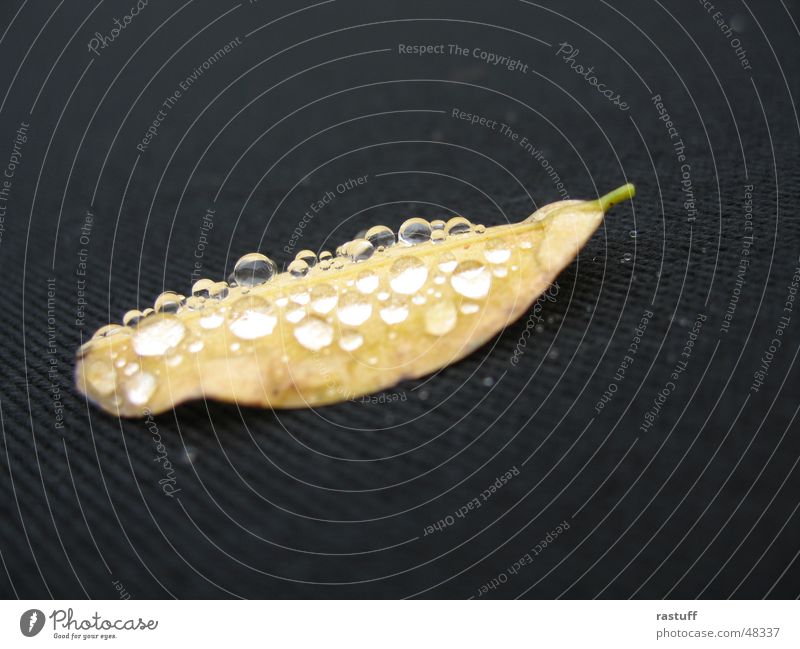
419 299
414 231
440 318
314 333
354 309
380 236
447 262
174 360
468 308
407 275
131 369
626 258
395 310
471 279
307 256
295 315
254 269
458 225
195 346
252 317
359 250
131 318
157 334
101 377
202 288
367 281
499 271
195 303
497 251
438 224
350 340
438 236
633 234
211 320
323 298
480 229
168 302
325 256
298 268
488 381
140 387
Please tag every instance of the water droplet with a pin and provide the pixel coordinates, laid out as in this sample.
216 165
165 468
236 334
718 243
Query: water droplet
488 381
480 229
447 262
157 334
407 275
626 258
440 318
211 320
468 308
499 271
339 263
101 377
254 269
414 231
325 256
140 387
395 310
174 360
354 309
633 234
350 340
195 303
308 256
295 315
298 268
380 235
419 299
219 291
168 302
202 288
109 330
195 346
438 224
497 251
359 250
458 225
367 281
383 296
314 333
252 317
131 318
323 298
438 236
131 369
300 297
471 279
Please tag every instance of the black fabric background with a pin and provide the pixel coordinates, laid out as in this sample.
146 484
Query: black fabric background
334 503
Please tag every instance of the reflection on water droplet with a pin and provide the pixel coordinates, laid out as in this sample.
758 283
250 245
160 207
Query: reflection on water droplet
139 388
407 275
350 340
314 333
298 268
254 269
367 281
414 231
295 315
131 369
174 361
195 346
458 225
354 309
157 334
419 299
252 317
395 310
468 308
380 235
499 271
440 318
323 298
471 279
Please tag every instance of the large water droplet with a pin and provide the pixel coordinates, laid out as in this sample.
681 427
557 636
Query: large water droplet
158 334
458 225
314 333
140 387
367 281
395 310
414 231
252 317
298 268
168 302
323 298
354 309
254 269
407 275
380 235
471 279
440 318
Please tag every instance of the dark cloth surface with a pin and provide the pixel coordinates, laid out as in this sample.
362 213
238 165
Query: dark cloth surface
361 499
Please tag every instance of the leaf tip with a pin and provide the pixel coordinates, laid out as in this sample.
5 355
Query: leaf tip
624 193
